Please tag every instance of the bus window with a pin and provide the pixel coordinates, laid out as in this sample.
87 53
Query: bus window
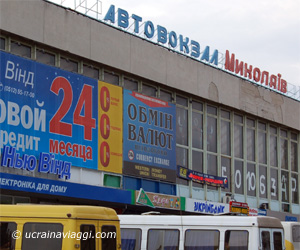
88 239
266 241
44 236
131 238
6 241
277 240
296 233
201 240
109 238
165 239
236 240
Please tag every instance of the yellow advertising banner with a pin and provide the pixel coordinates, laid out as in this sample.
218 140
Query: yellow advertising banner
110 128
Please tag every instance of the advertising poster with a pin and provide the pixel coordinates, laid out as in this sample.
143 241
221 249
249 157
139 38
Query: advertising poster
149 137
110 128
47 114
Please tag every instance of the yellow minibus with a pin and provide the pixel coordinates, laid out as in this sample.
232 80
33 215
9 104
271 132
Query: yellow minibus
55 227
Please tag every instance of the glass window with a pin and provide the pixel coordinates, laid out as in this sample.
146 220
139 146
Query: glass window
262 126
163 239
283 133
197 106
181 126
262 147
226 172
131 238
131 84
294 136
250 123
212 134
284 153
20 49
68 65
238 119
225 138
197 130
201 239
2 43
225 114
45 57
182 157
294 156
149 90
251 179
109 241
277 236
6 239
285 186
212 168
273 150
238 141
212 110
181 101
250 144
265 240
263 182
236 240
165 95
197 165
295 188
274 184
90 71
182 160
32 242
296 233
88 239
239 177
111 78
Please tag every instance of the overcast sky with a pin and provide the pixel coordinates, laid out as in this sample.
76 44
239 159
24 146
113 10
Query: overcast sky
262 33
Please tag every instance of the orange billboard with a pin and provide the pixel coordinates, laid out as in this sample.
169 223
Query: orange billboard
110 128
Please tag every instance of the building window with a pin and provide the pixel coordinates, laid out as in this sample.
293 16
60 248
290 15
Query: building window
274 184
285 186
2 43
20 49
131 84
165 96
250 140
225 133
90 71
148 90
284 149
238 177
68 65
182 121
197 165
226 172
263 182
238 136
212 168
45 57
197 125
111 78
273 147
262 143
251 179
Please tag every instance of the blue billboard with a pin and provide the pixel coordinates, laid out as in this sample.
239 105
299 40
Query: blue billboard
44 109
149 147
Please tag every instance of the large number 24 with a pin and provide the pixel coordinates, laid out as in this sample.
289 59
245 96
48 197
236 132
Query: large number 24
57 126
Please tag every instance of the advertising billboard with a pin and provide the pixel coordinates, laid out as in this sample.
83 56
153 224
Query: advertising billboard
47 110
149 137
110 127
